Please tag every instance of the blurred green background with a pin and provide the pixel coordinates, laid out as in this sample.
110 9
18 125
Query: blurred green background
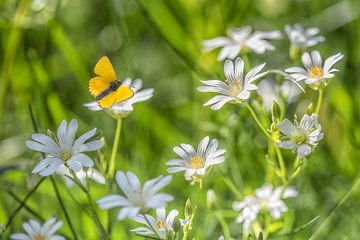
48 50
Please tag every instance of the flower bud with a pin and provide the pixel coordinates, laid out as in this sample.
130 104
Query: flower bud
176 225
275 112
211 199
188 209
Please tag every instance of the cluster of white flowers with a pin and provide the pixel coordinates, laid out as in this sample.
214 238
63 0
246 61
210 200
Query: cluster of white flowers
240 38
264 199
63 153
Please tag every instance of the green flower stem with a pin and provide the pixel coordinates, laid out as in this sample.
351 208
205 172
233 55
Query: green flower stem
320 99
253 114
151 226
267 134
282 165
224 226
111 169
58 196
104 234
188 227
92 208
22 204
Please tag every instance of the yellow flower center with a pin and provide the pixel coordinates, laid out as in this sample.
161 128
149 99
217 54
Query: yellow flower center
160 224
316 72
39 237
66 156
197 162
300 138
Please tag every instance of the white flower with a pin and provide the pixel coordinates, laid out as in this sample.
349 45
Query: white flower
303 38
236 88
314 72
35 231
137 198
271 92
82 175
239 38
264 199
63 149
302 137
125 107
195 162
162 224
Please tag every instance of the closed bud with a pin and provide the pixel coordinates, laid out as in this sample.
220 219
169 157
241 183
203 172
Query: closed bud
188 209
310 109
275 112
211 199
176 225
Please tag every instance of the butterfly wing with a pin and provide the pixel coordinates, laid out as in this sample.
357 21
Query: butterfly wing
123 93
104 69
108 100
97 85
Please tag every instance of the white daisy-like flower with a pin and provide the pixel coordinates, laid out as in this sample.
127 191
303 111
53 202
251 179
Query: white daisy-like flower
315 73
137 199
264 199
301 137
270 92
301 38
82 175
63 149
195 162
161 225
236 88
36 231
240 38
126 107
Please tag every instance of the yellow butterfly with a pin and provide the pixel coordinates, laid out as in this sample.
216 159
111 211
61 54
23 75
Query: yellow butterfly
105 87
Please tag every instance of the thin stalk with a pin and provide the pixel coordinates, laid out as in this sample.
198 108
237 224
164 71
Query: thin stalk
23 202
267 134
58 196
224 226
320 99
112 163
94 214
253 114
282 165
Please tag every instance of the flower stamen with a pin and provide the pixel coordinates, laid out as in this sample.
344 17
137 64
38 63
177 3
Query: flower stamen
39 237
316 72
160 224
197 162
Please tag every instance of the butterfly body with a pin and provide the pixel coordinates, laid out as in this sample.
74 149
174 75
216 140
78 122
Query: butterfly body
105 87
112 88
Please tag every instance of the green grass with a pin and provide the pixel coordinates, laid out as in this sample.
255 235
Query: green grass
47 57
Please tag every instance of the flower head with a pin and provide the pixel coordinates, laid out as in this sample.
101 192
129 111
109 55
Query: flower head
126 107
137 198
162 224
301 38
35 231
264 199
82 175
236 88
195 162
63 149
240 38
315 73
301 137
